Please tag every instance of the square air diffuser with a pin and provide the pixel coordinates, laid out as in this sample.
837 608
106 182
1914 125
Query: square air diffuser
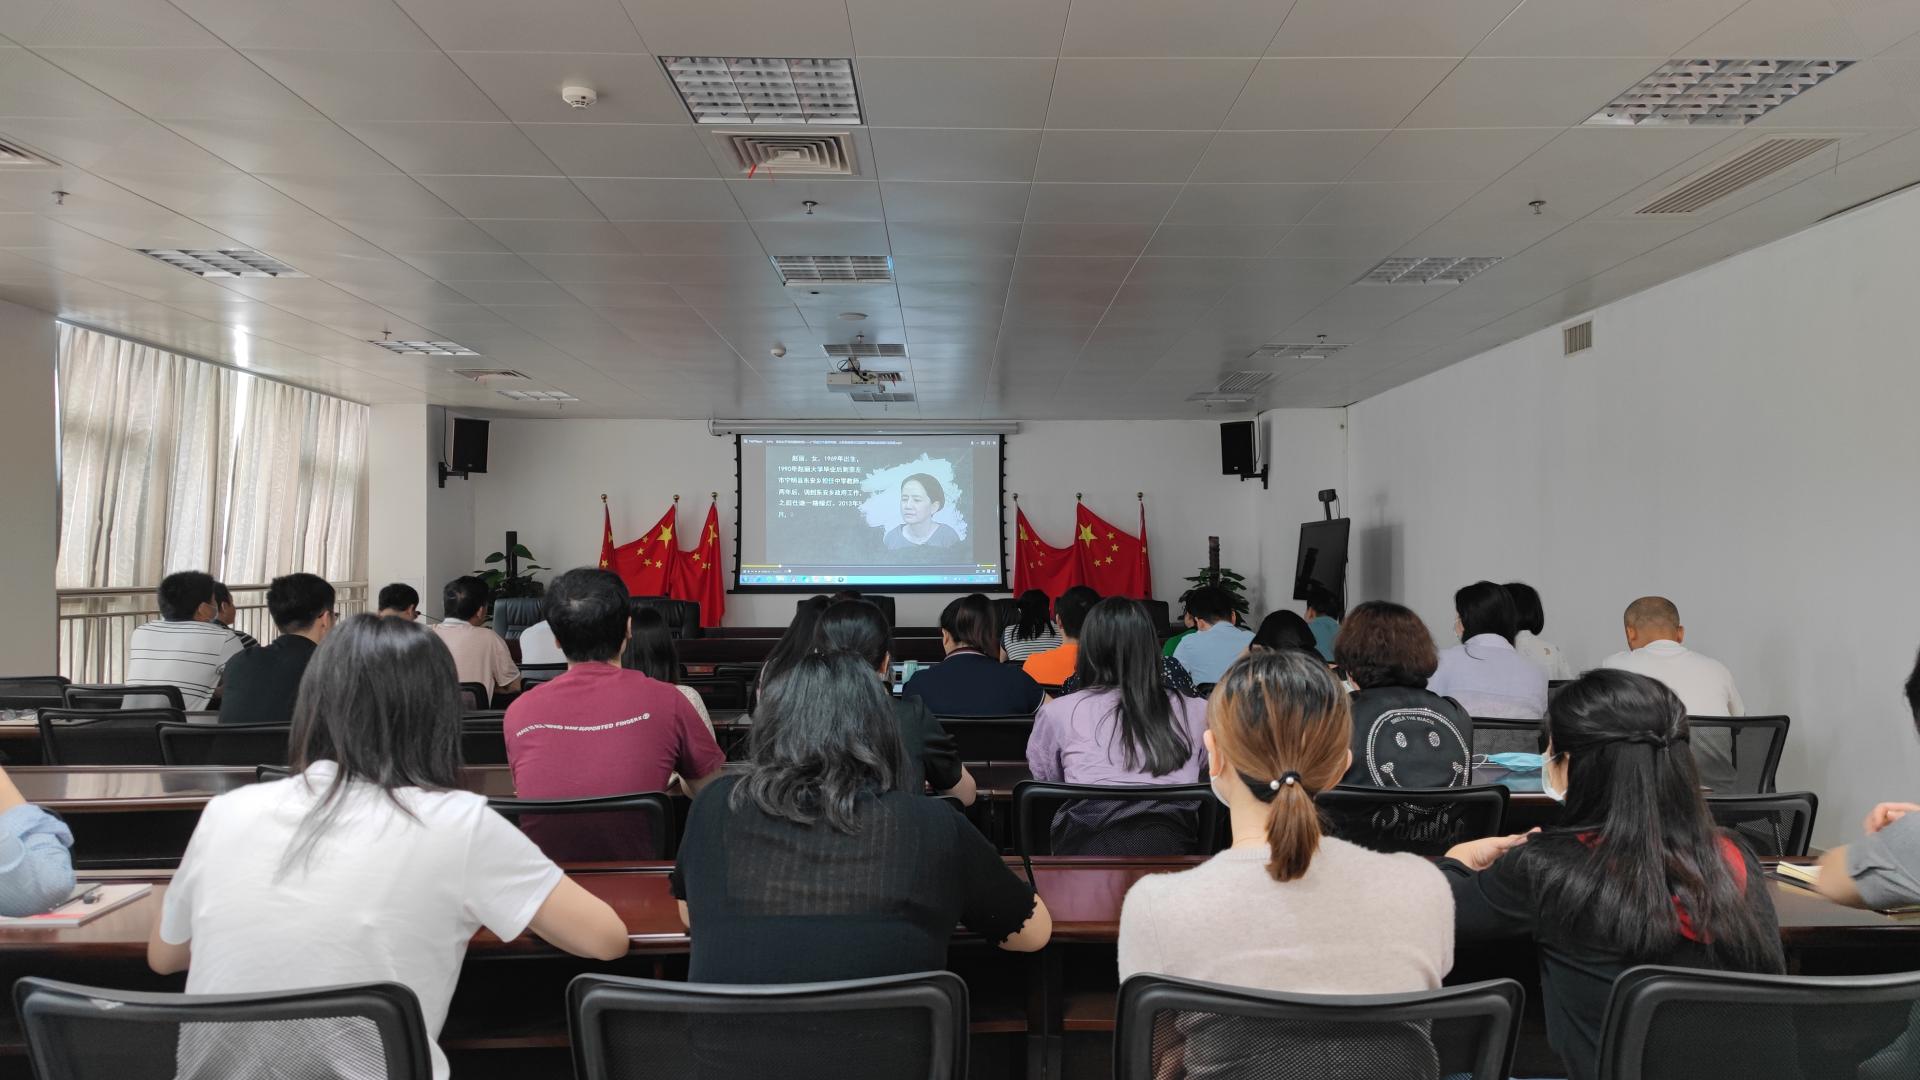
765 89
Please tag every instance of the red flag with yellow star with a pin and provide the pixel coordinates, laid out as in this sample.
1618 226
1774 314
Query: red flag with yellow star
698 576
1110 560
1146 565
606 535
646 564
1039 565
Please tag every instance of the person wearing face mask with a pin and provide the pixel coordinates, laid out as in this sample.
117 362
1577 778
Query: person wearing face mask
1285 907
1637 874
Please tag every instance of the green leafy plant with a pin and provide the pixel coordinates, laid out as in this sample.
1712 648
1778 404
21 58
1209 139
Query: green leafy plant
519 583
1235 585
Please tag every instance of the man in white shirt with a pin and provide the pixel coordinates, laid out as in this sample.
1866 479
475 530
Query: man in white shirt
1702 684
479 654
184 648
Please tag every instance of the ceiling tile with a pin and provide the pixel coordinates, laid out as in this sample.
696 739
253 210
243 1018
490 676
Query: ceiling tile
1143 28
1292 94
512 196
822 238
312 147
610 294
1464 232
1617 155
378 86
89 23
1877 93
1527 93
175 83
79 141
607 268
574 237
691 237
662 200
473 266
934 271
367 195
422 234
1121 157
773 199
1415 204
1248 241
1115 240
1145 204
953 154
516 292
744 27
941 28
1616 28
30 86
1388 27
954 239
909 200
1252 204
526 86
1457 154
201 194
955 93
1150 94
479 149
1369 242
1797 28
512 25
301 24
627 150
1285 156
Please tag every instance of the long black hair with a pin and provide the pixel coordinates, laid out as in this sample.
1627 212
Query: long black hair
824 733
1486 608
1528 614
1118 651
650 650
1036 616
381 700
858 627
1285 630
796 642
1638 846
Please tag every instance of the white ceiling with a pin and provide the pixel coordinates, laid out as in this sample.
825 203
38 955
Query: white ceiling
1095 207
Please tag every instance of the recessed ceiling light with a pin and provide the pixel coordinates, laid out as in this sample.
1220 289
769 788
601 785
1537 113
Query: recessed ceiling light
222 262
835 269
1432 270
765 89
853 316
1710 92
423 348
536 395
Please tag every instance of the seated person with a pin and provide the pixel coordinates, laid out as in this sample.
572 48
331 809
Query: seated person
1034 632
1323 618
401 601
972 681
1283 630
262 683
479 655
1703 684
814 865
1484 673
651 651
1404 735
370 863
799 639
184 648
1052 667
36 870
227 615
537 645
1549 657
600 729
1882 870
932 759
1636 873
1286 908
1217 641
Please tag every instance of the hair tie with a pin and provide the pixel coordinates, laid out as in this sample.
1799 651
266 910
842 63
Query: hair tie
1648 738
1288 777
1268 790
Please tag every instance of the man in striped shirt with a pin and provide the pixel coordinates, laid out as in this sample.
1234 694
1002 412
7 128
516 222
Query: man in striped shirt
185 648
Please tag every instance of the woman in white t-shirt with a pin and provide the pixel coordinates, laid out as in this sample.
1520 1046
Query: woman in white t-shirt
370 864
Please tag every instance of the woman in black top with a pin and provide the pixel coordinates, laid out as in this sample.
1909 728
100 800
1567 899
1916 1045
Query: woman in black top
1638 875
1404 735
813 865
932 759
1284 630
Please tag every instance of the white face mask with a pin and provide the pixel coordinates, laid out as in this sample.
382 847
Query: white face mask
1214 783
1557 794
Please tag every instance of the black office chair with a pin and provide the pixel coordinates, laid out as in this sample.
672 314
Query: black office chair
1667 1023
1424 821
89 1033
682 616
1093 819
1161 614
483 741
223 744
989 738
264 773
1752 743
1774 824
1497 735
610 828
1165 1026
899 1027
474 697
109 736
535 674
111 696
513 614
721 693
33 691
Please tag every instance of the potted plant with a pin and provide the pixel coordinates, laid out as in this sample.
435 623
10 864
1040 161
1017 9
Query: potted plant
1235 585
516 578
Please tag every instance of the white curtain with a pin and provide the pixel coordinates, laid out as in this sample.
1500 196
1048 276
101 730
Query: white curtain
168 463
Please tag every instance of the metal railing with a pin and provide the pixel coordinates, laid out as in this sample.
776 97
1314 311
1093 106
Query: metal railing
95 623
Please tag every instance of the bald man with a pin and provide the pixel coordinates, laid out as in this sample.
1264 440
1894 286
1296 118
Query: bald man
1704 685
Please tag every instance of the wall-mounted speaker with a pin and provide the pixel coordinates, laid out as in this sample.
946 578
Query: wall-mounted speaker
469 454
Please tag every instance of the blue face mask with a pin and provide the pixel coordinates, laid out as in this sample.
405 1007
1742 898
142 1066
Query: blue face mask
1517 762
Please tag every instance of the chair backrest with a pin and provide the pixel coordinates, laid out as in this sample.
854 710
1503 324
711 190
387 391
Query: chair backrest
1666 1023
682 616
1754 744
1774 824
989 738
88 1033
1424 821
474 697
223 744
1165 1026
900 1027
109 736
33 691
1497 735
633 827
1006 611
264 773
1161 615
112 696
534 674
721 691
483 741
513 614
1093 819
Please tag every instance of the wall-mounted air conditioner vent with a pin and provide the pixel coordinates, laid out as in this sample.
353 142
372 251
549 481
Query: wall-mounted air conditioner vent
801 153
1577 338
1748 167
489 375
865 350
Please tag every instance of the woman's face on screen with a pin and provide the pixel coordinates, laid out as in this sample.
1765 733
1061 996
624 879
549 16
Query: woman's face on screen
915 506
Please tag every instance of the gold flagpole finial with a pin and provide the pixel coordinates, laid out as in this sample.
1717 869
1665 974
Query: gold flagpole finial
715 495
676 496
1141 495
1076 496
603 496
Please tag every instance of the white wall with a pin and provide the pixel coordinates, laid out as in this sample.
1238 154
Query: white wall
1741 440
418 533
545 479
29 530
1306 452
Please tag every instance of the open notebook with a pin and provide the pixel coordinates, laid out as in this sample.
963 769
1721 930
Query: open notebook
76 911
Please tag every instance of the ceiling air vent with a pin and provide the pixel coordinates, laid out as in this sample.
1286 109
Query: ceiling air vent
1431 270
423 348
765 89
883 397
1293 350
1577 338
1724 93
1748 167
865 350
800 153
223 262
13 156
537 395
835 269
489 375
1237 387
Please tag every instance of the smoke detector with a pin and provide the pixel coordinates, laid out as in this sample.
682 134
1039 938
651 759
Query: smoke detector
578 96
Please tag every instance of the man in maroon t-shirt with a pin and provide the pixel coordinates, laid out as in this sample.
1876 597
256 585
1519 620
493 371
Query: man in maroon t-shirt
600 729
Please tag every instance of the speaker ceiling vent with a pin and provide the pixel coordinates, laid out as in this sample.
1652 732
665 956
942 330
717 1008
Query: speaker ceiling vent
866 350
1744 169
800 153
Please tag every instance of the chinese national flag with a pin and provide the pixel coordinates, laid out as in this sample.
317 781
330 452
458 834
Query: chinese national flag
1039 565
606 535
1146 565
697 577
647 564
1110 560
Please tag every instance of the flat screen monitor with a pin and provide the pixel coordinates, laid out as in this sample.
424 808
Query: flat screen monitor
1322 561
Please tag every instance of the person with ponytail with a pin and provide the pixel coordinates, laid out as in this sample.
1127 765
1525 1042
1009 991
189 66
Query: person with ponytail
1638 874
1285 907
